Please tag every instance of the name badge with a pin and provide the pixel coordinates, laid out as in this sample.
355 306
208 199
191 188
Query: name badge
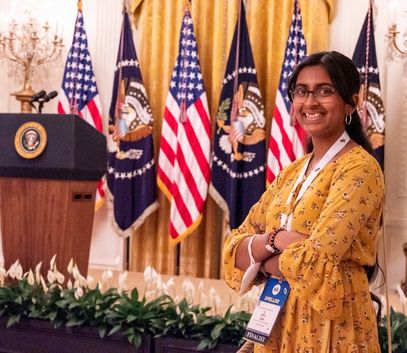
269 305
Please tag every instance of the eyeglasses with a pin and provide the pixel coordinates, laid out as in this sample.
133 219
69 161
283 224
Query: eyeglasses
321 94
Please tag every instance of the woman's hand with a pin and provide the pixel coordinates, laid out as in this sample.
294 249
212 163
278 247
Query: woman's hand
259 251
271 266
284 238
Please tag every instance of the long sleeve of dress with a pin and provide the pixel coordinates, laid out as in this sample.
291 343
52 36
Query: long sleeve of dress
255 223
347 226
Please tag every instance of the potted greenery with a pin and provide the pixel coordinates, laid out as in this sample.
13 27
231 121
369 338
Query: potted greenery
190 328
41 313
398 326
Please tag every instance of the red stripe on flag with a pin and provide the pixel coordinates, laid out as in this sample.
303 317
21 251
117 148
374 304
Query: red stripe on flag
181 207
94 112
171 121
165 180
189 179
270 175
167 149
100 188
173 232
287 143
204 117
276 151
60 108
302 135
196 148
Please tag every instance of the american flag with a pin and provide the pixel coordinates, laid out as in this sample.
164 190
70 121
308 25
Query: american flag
183 164
239 147
287 140
131 169
371 108
79 94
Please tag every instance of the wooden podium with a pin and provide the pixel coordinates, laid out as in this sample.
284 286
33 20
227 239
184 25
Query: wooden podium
47 201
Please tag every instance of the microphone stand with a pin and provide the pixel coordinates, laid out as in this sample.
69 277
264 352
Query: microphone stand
40 106
33 105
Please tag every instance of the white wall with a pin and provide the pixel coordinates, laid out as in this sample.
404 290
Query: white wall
102 21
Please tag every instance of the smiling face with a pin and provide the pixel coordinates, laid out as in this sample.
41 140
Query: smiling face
321 117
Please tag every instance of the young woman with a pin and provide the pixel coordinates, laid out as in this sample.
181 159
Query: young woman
317 224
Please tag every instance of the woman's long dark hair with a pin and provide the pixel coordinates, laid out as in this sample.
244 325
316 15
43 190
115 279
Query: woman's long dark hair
346 80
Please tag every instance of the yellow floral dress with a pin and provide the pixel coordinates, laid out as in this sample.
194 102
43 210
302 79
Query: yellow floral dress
341 212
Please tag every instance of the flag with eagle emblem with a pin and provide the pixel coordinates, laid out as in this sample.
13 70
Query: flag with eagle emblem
131 169
239 148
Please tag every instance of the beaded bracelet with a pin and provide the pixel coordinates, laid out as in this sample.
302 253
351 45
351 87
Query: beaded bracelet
270 246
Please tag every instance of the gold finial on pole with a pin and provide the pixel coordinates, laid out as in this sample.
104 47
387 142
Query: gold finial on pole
80 5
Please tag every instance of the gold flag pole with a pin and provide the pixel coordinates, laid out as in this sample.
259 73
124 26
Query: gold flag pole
386 287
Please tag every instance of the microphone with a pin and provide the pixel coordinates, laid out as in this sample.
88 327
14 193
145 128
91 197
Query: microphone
52 94
37 96
48 97
45 98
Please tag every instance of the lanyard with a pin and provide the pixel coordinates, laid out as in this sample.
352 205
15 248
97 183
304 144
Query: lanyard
333 150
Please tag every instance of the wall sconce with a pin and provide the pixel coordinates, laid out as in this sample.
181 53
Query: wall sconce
396 50
397 47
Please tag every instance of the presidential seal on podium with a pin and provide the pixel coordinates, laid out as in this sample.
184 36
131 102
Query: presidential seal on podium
30 140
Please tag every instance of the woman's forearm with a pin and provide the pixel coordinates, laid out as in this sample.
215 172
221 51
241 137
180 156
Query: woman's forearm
259 252
285 238
282 240
272 267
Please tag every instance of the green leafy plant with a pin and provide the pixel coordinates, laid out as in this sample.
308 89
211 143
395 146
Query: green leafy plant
182 320
111 311
16 301
135 316
227 329
45 305
398 327
91 309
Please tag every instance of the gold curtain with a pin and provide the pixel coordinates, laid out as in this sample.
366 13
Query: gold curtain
158 23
